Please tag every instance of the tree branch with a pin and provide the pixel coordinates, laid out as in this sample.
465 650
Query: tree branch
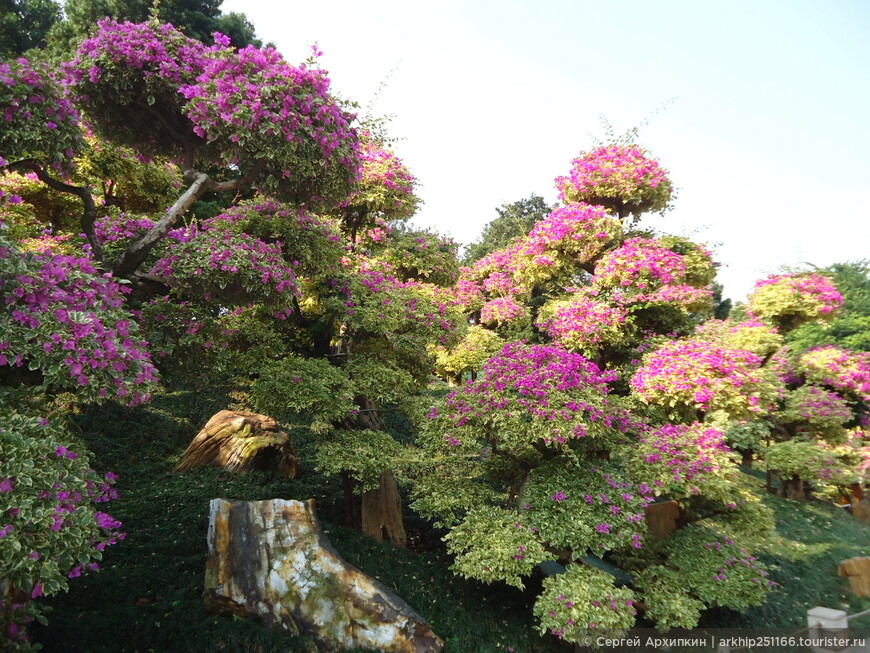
89 210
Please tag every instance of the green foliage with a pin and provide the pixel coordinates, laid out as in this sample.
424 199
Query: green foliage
807 460
491 545
581 600
476 347
851 328
51 528
312 387
605 513
365 454
716 569
515 219
666 601
24 24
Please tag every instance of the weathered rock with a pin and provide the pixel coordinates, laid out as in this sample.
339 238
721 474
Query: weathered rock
857 570
270 560
239 442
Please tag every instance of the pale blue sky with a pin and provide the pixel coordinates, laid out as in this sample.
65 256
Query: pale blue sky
768 138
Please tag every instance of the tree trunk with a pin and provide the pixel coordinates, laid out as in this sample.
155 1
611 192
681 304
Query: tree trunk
270 561
792 488
382 512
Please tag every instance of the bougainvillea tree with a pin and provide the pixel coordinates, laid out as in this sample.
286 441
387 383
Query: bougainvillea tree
564 448
331 319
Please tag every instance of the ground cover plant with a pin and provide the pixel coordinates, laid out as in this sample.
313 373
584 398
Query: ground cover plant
186 215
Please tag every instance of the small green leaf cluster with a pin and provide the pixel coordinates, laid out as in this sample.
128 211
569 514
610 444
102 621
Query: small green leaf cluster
365 454
476 347
582 600
493 544
294 386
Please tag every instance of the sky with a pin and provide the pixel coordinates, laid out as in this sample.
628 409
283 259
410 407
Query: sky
759 109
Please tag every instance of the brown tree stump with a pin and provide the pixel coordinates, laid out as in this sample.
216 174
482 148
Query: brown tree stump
857 570
793 488
382 512
269 560
241 442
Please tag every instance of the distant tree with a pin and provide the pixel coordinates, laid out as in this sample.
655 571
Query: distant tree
721 307
197 19
24 24
515 220
851 328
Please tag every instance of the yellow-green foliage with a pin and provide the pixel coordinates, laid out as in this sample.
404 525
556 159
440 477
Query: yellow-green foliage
492 544
582 600
475 348
365 454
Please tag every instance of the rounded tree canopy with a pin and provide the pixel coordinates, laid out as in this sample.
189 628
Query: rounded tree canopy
150 87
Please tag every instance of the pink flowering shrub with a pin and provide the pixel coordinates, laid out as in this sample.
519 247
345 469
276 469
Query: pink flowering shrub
683 460
583 324
37 119
127 79
847 372
61 317
816 413
420 256
619 177
386 186
642 270
581 601
151 88
790 300
222 264
707 377
503 310
752 335
570 237
51 526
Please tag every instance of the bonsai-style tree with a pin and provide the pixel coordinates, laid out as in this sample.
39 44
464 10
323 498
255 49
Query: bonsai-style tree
591 445
311 278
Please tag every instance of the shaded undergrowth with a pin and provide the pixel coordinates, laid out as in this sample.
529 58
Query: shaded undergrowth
148 594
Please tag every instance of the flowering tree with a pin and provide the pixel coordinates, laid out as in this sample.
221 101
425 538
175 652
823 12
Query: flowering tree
279 288
563 446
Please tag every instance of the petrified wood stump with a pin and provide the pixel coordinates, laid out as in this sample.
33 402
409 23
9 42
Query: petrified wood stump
857 570
270 560
240 442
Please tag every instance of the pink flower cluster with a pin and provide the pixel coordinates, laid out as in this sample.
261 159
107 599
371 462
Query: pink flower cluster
502 310
60 310
583 322
111 229
206 253
386 184
616 172
37 119
525 379
844 370
640 263
257 92
705 376
580 230
805 296
687 452
160 50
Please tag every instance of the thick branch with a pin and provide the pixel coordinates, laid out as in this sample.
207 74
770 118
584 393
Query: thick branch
135 254
89 210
